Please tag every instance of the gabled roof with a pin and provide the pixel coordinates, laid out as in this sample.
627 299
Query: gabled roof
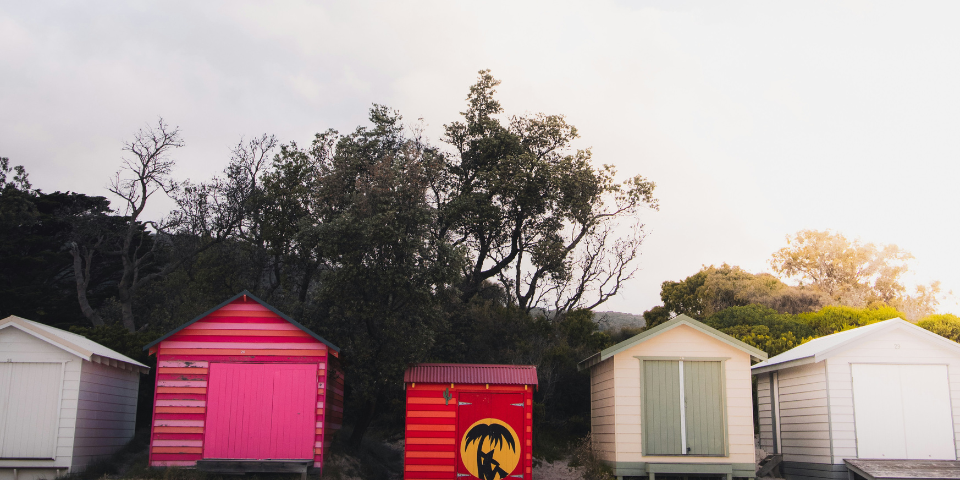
76 344
254 298
471 373
675 322
824 347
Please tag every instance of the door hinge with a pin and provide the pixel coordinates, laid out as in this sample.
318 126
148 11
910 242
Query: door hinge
464 403
516 404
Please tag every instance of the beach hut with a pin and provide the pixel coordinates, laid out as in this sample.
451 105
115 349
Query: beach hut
674 400
65 401
883 391
244 388
473 421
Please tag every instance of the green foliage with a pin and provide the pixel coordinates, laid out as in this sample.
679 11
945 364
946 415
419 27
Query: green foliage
761 327
836 318
945 325
714 289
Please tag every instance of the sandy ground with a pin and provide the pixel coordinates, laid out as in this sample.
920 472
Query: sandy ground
556 471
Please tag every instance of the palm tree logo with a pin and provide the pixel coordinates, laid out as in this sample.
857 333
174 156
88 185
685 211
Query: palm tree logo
496 453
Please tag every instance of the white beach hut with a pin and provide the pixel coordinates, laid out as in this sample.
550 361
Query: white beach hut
884 394
65 401
674 400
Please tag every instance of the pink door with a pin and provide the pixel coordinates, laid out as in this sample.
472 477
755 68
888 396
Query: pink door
261 411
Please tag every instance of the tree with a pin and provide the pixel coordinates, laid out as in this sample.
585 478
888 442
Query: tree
532 212
367 223
945 325
762 327
714 289
850 272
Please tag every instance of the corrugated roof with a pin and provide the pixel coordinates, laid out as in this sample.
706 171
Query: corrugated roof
71 342
471 373
820 348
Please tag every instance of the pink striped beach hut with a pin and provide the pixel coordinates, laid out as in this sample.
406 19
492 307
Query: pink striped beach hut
245 388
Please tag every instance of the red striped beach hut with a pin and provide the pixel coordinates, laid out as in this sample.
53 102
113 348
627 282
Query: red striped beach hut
244 388
473 421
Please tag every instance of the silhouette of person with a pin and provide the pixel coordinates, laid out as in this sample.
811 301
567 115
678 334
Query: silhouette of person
489 468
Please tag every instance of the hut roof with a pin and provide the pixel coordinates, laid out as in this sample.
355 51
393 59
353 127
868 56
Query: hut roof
471 373
821 348
254 298
71 342
675 322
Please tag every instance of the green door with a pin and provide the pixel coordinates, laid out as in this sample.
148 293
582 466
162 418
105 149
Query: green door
703 412
661 408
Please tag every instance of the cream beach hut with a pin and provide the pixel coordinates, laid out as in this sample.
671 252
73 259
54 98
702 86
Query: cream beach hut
65 401
865 396
674 400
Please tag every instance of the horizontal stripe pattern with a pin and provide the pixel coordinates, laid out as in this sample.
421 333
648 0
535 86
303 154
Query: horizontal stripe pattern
258 345
178 423
262 326
182 364
181 403
237 332
178 443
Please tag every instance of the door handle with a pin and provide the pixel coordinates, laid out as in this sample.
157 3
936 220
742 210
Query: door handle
516 404
464 403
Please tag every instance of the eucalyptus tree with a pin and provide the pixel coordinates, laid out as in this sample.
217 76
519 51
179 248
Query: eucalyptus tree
534 213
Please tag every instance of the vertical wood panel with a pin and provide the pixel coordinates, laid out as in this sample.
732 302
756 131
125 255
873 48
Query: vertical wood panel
704 407
661 407
32 413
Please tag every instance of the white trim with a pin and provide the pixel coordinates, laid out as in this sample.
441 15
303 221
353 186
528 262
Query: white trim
47 340
683 412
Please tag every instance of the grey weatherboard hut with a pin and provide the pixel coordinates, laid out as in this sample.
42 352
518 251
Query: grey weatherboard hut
889 391
674 400
65 401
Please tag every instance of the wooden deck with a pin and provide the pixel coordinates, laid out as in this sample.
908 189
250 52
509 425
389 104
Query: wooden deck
904 469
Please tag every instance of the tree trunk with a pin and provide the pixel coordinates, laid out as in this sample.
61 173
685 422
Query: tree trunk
363 423
81 274
125 297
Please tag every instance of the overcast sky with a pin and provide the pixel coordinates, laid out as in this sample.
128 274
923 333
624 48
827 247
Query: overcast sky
755 119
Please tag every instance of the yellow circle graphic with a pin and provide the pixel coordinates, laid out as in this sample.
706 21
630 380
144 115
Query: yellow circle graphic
490 449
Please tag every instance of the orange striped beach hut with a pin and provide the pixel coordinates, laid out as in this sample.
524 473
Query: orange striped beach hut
244 388
472 421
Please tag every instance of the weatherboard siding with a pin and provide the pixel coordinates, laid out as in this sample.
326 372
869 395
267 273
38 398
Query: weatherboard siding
690 343
431 443
106 412
603 418
243 331
898 346
804 421
764 413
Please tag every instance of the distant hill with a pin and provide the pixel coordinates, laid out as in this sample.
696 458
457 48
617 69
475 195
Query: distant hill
616 320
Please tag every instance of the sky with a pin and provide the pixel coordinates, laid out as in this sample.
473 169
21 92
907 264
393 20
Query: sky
755 119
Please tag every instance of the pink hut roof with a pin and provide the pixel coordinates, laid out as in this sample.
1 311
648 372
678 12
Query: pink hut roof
471 373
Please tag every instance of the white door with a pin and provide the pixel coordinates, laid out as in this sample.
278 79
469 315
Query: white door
903 412
29 414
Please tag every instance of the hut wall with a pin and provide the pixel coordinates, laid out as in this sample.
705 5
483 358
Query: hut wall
332 408
239 332
106 412
17 347
765 413
686 342
804 420
892 347
603 421
431 449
